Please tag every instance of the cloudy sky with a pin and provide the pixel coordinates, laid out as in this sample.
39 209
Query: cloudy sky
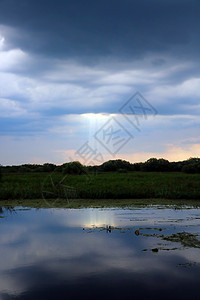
70 73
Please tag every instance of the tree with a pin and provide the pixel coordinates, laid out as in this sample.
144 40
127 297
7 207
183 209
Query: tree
74 168
47 167
191 168
156 165
0 173
114 165
137 166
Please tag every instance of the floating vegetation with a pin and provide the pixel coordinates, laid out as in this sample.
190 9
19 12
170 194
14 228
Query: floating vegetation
185 238
152 235
188 264
22 209
107 228
151 228
171 221
155 250
137 232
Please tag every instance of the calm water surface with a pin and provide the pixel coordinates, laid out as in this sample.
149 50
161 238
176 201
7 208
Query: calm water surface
133 253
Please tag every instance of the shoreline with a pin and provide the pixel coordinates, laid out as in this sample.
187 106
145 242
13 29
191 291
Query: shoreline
98 203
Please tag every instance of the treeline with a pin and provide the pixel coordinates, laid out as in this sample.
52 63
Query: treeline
191 165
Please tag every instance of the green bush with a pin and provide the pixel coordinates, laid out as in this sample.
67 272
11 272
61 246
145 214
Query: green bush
191 168
122 171
74 168
48 167
24 169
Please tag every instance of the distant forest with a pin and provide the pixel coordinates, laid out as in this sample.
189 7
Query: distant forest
191 165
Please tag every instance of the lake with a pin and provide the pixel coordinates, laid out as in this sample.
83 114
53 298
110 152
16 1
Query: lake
150 252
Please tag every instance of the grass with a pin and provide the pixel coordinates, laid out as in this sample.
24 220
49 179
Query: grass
133 185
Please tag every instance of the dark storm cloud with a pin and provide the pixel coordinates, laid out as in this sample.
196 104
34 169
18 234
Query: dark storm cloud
98 28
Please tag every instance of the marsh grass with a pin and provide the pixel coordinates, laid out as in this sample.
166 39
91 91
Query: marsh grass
132 185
